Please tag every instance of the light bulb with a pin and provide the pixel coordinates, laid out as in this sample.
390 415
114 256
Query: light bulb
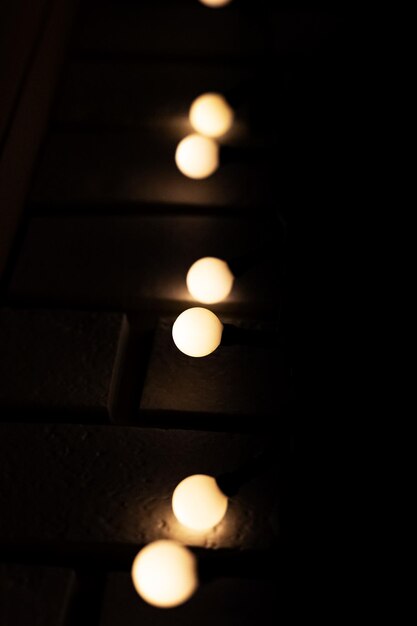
164 573
211 115
209 280
197 157
215 3
197 332
198 502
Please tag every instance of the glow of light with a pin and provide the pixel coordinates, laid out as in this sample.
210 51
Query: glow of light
198 503
215 3
197 156
209 280
197 332
164 573
211 115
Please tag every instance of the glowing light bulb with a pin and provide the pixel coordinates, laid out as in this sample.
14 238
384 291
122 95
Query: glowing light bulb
209 280
164 573
215 3
197 157
198 502
211 115
197 332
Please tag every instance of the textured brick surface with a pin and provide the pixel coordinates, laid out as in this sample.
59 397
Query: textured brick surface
139 167
245 379
134 259
224 602
61 361
93 488
35 596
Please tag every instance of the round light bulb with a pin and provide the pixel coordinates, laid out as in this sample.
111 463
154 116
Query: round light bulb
197 332
198 503
209 280
197 157
215 3
164 573
211 115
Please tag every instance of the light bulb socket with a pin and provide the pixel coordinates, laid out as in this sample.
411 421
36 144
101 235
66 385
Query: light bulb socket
230 335
231 482
241 264
235 96
242 154
230 563
235 336
267 249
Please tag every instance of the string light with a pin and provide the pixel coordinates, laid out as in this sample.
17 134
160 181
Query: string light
209 280
197 332
164 573
197 156
214 4
211 115
198 503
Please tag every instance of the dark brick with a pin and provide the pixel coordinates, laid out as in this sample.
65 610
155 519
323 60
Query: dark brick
35 596
240 382
224 602
140 262
138 166
93 489
62 362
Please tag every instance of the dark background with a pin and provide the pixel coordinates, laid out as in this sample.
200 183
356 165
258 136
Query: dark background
96 228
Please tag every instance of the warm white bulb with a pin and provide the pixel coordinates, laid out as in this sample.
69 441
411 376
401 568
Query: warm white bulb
197 157
215 3
198 503
211 115
164 573
197 332
209 280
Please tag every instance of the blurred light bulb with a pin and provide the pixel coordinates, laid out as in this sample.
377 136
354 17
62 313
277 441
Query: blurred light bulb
198 502
197 156
209 280
164 573
211 115
215 3
197 332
